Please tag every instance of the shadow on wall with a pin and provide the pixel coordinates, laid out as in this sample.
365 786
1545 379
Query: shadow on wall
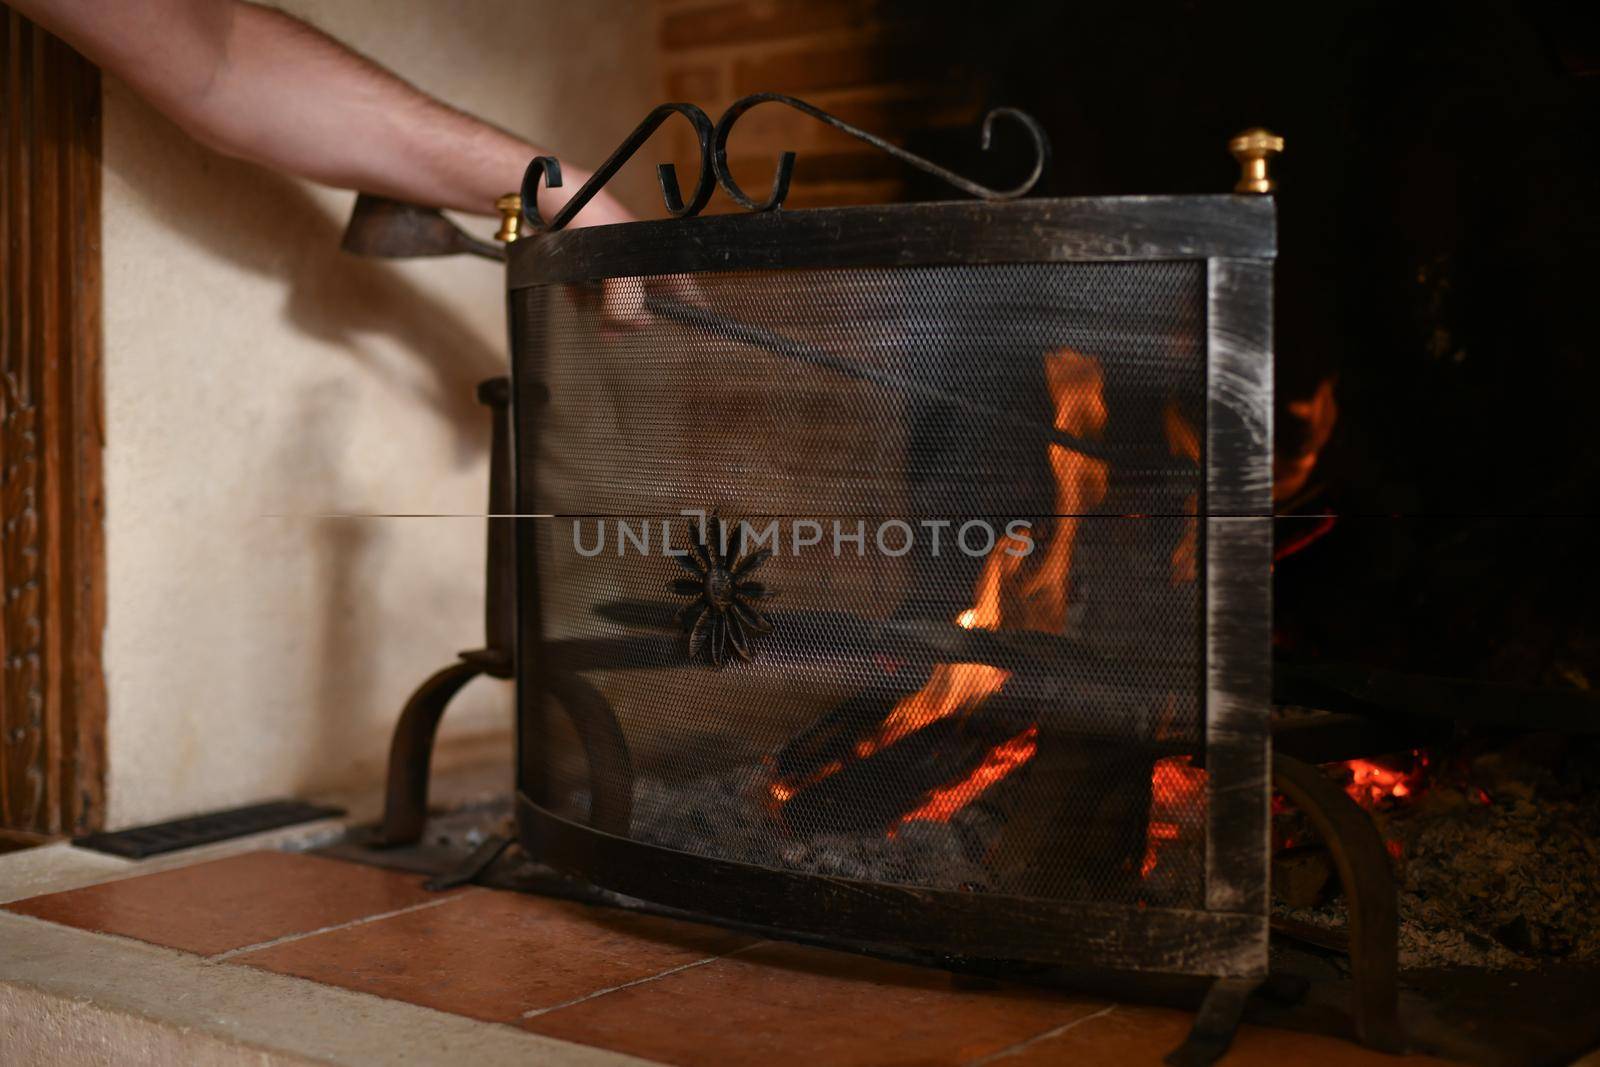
332 615
270 225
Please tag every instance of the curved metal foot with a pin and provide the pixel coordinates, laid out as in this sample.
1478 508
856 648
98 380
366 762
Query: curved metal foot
1215 1023
604 745
468 870
1363 865
405 800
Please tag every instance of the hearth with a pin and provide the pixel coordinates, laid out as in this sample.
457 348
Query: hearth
751 691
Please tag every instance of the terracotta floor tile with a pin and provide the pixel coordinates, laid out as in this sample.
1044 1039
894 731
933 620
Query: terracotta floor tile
494 955
1135 1035
779 1003
229 903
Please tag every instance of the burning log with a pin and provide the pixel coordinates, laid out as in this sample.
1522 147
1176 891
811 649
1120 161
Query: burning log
1090 805
846 791
1078 828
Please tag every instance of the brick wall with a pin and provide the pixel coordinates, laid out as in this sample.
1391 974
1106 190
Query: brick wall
858 59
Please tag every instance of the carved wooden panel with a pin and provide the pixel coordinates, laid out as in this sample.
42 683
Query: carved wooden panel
52 503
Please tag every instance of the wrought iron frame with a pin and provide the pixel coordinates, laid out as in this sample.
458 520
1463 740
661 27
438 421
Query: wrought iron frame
713 145
1235 237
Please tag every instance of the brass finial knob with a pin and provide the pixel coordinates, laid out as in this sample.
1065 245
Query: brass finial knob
1253 149
510 208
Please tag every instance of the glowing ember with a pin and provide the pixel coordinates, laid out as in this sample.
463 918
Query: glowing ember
1373 784
1001 761
1319 413
1177 789
780 791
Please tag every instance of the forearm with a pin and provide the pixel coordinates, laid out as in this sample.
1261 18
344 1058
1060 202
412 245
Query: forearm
259 85
286 96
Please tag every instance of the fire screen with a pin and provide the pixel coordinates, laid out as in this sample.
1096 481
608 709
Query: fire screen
899 576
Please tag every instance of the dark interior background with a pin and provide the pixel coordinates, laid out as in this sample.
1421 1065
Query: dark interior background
1439 231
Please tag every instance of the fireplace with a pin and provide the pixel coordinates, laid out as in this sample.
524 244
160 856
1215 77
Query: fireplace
899 577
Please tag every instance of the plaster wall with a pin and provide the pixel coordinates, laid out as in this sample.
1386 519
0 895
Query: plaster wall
258 381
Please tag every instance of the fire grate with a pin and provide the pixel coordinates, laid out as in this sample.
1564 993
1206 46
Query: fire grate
1045 739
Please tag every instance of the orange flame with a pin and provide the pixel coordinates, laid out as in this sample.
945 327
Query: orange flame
1184 442
1077 389
1016 588
1001 566
1001 761
953 689
1319 412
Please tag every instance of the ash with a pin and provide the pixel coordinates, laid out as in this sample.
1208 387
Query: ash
726 816
1428 936
1500 867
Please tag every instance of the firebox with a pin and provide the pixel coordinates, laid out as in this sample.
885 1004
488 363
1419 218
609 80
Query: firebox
898 577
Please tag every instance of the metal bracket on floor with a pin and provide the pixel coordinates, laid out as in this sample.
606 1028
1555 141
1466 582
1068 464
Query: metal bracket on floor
405 802
1362 861
1215 1023
477 861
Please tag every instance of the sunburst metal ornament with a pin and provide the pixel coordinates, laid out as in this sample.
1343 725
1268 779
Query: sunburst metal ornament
723 619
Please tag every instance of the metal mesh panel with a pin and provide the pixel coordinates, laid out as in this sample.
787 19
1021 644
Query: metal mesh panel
997 686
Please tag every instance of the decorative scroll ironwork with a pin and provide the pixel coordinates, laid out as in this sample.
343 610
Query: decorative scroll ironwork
714 161
549 169
780 179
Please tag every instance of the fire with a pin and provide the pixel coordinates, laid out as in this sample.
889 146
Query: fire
998 571
1001 761
1184 442
1018 588
1319 413
1077 389
1022 589
954 689
1176 789
1372 784
780 791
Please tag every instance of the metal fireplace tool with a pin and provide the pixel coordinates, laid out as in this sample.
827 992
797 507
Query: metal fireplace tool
1222 935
